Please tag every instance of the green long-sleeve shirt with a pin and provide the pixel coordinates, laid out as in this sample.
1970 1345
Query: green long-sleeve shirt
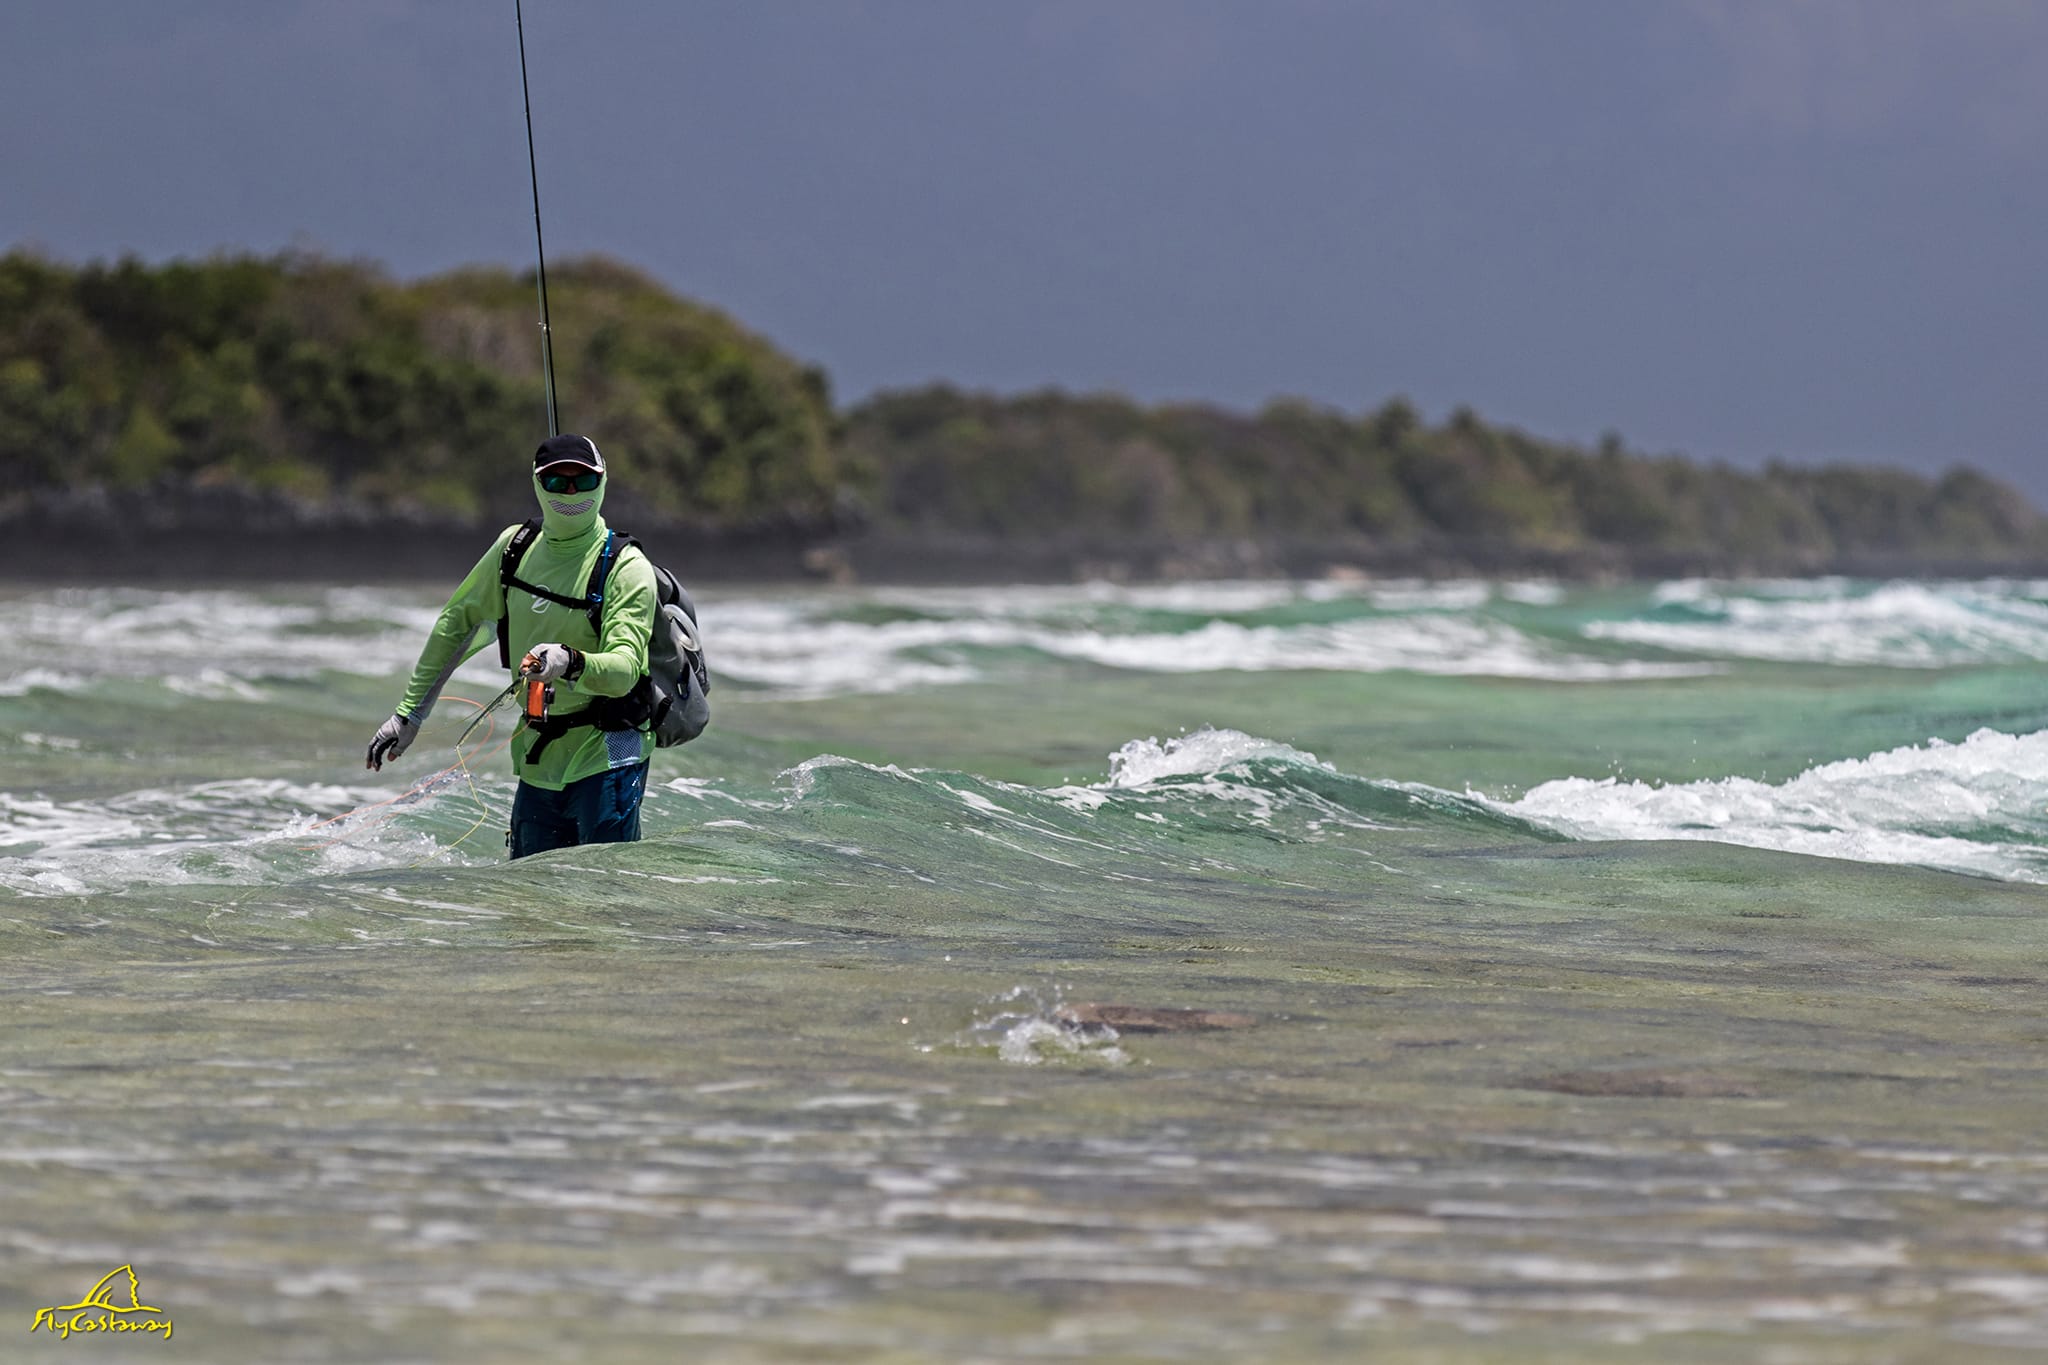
614 657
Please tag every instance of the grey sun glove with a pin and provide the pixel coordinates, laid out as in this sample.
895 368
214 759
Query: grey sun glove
391 740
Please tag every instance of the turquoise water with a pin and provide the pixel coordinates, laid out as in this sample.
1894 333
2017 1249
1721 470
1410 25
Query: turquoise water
1233 971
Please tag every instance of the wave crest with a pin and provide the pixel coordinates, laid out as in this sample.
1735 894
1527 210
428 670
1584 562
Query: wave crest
1980 806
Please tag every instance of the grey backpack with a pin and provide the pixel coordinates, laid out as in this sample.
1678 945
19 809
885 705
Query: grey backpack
676 672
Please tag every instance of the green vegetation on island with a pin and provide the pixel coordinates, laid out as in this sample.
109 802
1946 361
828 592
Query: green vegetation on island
317 381
324 379
1047 462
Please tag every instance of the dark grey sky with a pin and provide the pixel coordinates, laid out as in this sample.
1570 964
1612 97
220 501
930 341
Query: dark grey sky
1735 228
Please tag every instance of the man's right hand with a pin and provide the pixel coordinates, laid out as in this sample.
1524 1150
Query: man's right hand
390 741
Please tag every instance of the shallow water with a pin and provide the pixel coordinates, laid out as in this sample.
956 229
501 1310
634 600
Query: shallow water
1517 1018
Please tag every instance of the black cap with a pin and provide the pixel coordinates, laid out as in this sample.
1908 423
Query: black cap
568 449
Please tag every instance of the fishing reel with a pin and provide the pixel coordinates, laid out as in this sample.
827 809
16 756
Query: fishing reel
539 697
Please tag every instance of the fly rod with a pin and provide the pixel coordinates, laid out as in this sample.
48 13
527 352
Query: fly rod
547 336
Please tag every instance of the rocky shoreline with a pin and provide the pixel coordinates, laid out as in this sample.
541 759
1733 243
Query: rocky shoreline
198 535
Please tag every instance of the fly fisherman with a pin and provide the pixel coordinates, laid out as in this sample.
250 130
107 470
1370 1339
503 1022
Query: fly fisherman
583 768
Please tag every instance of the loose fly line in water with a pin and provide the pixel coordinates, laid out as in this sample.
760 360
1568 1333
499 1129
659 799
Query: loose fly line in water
428 785
418 791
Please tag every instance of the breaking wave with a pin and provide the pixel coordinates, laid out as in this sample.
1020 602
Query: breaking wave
1199 799
1831 621
1980 806
230 645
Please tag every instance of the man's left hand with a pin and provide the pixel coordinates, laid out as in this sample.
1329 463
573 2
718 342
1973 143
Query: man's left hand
551 661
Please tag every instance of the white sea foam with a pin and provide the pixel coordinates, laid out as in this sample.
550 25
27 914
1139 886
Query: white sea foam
1417 595
1533 592
819 644
1215 766
1687 590
1213 597
1203 753
49 679
794 648
1150 780
213 831
214 644
803 778
1830 621
798 648
1445 645
812 646
1207 764
1980 806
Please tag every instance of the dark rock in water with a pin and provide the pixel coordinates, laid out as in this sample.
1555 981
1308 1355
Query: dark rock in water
1666 1085
1143 1019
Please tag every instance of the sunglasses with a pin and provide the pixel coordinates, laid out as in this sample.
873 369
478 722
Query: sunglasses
582 481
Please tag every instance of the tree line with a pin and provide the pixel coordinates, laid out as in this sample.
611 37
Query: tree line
316 379
947 460
325 379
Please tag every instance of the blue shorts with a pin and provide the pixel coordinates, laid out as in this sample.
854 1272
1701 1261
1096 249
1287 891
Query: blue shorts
603 808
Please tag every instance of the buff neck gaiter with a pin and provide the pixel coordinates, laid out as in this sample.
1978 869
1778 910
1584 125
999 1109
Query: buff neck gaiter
568 516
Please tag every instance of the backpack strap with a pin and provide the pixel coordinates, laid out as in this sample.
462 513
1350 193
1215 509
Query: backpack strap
508 577
600 572
552 728
616 543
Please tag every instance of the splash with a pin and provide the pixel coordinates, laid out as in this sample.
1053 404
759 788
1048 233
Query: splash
1031 1026
1203 753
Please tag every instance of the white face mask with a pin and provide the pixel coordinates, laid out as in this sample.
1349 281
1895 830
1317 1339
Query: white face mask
567 516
